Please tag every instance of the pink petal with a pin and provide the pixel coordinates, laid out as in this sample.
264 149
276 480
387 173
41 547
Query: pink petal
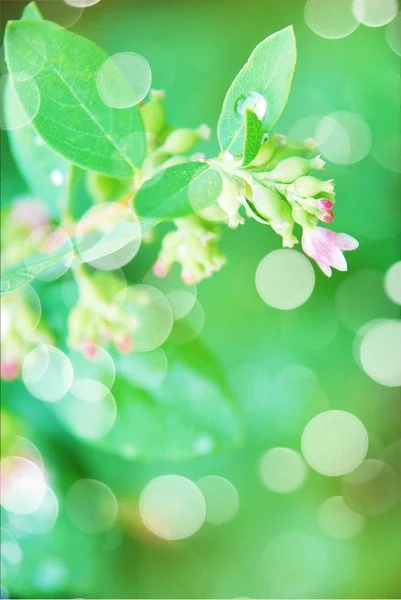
338 261
325 268
346 242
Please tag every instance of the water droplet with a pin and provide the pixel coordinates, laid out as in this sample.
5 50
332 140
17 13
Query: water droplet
253 101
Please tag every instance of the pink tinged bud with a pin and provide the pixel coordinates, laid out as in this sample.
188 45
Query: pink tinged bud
160 268
9 369
89 349
326 217
326 248
188 277
323 204
124 343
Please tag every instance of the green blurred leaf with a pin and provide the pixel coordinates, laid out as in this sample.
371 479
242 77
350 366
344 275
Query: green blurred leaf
37 162
267 72
72 118
179 190
253 136
27 273
187 414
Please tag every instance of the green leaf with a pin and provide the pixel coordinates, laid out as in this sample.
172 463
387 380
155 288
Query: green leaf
79 199
27 273
72 118
178 191
38 163
189 413
253 136
267 73
31 12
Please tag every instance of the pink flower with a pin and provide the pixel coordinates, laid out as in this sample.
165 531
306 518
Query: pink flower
326 247
89 349
124 343
160 268
9 368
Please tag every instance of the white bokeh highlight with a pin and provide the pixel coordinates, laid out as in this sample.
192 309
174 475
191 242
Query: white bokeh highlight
172 507
282 470
285 279
334 443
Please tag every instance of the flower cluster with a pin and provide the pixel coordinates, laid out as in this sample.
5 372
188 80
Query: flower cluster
98 317
280 188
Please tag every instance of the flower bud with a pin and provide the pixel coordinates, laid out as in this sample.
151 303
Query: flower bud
326 217
160 268
154 113
9 368
269 205
182 141
266 202
289 169
267 151
310 186
230 201
324 204
123 342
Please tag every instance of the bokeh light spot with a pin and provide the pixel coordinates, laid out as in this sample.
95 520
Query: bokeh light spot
108 236
374 13
47 373
221 497
23 485
294 564
372 489
124 80
339 521
334 443
392 282
172 507
151 313
343 137
89 409
282 470
379 351
285 279
332 19
91 506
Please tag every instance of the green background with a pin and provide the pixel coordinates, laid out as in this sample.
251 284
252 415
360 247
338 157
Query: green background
195 49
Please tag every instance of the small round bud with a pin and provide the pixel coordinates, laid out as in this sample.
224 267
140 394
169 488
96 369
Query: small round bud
230 201
160 268
326 217
290 169
182 141
154 113
266 202
123 343
308 186
89 349
9 368
324 204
